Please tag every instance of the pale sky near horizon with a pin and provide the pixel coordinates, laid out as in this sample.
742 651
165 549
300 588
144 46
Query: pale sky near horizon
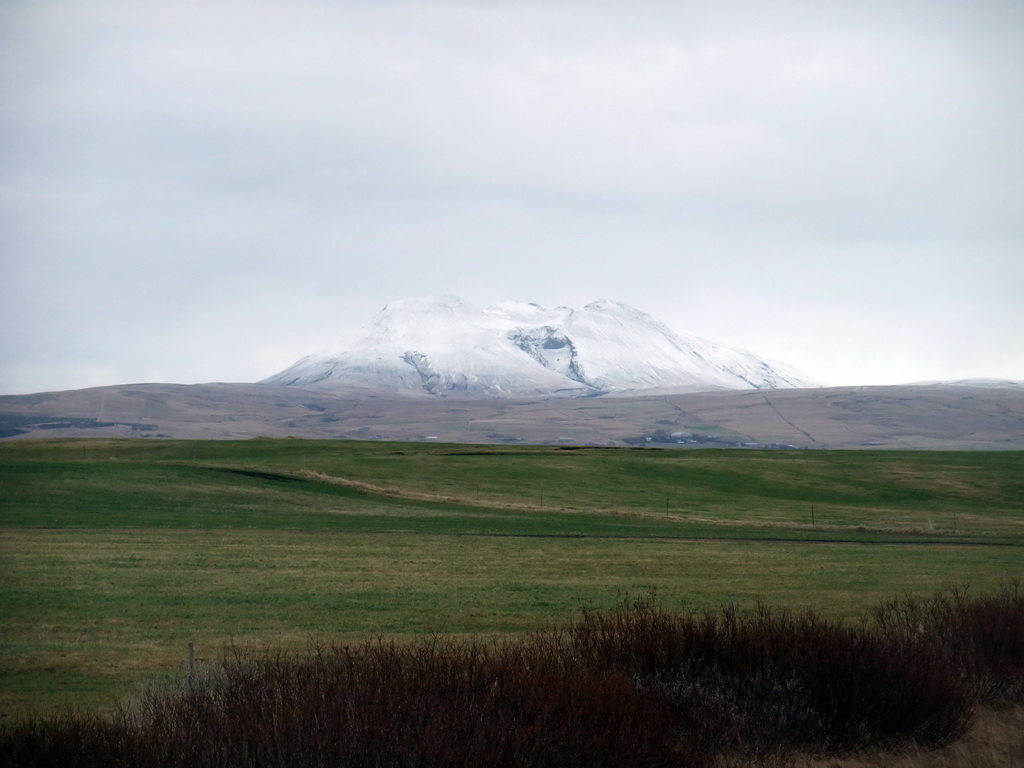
198 191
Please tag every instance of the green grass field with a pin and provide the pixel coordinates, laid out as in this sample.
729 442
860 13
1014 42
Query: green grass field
114 555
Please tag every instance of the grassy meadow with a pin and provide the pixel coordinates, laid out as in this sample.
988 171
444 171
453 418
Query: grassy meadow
116 554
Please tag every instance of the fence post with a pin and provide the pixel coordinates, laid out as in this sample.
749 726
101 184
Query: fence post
191 659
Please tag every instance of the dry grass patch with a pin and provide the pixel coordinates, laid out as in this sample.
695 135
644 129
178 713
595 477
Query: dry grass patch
995 741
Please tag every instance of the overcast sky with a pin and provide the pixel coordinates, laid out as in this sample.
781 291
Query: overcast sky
197 191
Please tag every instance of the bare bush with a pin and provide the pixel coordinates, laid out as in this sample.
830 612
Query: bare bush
984 635
782 681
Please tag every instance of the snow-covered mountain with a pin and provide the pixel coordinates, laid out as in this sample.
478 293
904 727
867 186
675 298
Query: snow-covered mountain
443 345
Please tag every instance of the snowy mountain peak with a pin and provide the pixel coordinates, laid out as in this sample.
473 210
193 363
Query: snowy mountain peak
444 345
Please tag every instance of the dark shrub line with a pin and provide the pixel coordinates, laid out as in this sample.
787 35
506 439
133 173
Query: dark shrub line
638 685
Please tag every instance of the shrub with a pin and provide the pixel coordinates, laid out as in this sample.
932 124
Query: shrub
784 681
71 740
437 703
983 635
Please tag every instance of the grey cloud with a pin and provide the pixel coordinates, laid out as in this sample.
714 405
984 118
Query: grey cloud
289 167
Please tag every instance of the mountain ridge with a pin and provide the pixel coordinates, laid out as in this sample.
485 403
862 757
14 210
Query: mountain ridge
916 417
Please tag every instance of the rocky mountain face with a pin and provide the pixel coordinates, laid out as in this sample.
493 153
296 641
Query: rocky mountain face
445 346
